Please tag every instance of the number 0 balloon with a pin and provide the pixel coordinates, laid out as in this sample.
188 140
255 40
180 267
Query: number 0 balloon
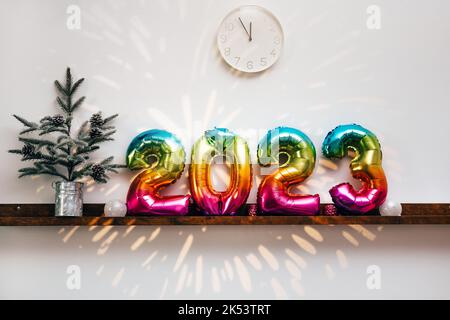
162 156
220 143
366 166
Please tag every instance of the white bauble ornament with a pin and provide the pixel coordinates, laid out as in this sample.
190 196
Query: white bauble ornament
115 208
391 208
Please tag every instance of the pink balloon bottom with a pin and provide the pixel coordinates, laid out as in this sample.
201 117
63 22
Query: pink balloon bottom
362 201
148 204
273 198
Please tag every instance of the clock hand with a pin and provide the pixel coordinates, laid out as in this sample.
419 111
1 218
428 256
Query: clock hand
250 39
249 36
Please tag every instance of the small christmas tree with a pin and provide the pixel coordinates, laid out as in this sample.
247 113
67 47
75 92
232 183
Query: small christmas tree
67 157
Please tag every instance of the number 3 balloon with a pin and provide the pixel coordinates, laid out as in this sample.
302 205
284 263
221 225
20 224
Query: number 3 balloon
365 166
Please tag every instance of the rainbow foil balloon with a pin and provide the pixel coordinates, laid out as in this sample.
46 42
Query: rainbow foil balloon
365 166
233 149
300 156
162 157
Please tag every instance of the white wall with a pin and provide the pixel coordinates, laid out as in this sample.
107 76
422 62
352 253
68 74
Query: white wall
244 262
156 64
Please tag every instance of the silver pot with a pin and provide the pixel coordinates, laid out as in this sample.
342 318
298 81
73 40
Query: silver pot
68 198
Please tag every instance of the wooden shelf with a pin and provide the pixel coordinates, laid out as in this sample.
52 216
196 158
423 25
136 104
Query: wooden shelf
42 215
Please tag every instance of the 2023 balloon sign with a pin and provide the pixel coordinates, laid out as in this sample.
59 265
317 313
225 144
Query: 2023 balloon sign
162 157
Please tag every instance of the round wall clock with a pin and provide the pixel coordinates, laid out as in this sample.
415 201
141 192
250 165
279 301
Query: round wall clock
250 39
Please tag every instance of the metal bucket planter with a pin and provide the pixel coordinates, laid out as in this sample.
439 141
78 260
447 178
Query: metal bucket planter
68 199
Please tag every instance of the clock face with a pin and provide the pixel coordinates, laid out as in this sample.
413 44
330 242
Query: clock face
250 39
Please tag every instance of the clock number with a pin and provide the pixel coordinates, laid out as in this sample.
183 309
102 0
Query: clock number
223 38
276 40
237 60
227 51
263 61
273 53
250 65
230 26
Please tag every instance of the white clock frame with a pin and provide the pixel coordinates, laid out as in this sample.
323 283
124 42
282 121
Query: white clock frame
250 39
